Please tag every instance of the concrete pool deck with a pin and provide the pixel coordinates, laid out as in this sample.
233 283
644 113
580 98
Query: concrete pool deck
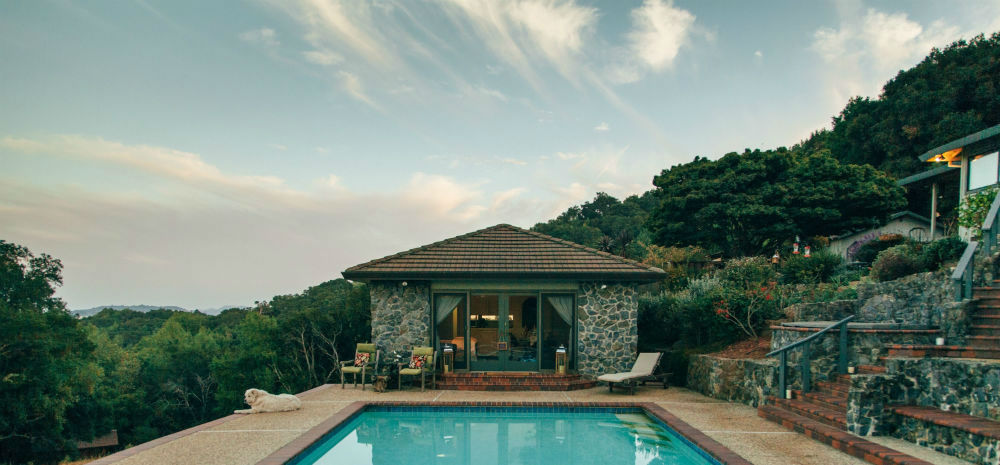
247 439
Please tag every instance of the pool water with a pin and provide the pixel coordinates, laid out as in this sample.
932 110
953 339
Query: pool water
503 436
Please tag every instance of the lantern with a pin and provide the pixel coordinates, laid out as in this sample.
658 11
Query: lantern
775 258
561 360
795 246
807 251
449 358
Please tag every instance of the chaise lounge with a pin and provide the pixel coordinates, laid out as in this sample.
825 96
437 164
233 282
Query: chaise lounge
643 370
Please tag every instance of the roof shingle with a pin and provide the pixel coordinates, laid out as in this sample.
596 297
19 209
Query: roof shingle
504 251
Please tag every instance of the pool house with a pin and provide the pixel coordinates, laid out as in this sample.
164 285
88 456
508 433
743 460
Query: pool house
508 299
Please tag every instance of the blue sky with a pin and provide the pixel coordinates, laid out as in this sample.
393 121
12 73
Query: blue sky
213 153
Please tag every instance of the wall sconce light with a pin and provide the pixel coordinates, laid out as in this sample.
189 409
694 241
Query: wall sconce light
604 286
404 283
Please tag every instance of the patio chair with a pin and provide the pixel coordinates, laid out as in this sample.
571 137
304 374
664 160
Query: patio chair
643 370
365 363
420 367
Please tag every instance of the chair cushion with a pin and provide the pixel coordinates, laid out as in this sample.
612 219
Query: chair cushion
423 351
410 371
418 361
351 369
367 348
361 359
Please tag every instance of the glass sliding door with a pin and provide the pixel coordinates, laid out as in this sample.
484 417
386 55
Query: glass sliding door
522 332
486 343
558 313
451 317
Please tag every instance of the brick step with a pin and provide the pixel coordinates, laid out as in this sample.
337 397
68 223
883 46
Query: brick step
975 425
829 401
985 312
838 388
840 440
508 374
986 319
869 369
986 330
921 350
988 342
829 417
570 386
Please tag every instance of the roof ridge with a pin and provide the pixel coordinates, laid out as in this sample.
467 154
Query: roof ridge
426 246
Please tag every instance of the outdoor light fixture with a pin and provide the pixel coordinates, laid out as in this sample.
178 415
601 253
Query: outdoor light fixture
604 286
561 360
449 358
404 283
807 251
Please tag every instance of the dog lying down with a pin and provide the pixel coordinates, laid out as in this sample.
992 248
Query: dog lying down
261 402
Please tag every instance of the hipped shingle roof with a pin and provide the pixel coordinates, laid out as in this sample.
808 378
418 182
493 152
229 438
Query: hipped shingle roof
508 252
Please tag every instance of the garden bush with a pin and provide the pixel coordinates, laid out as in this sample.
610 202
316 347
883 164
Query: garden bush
896 262
942 251
867 252
818 268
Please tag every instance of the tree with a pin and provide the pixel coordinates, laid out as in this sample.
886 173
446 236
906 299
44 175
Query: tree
45 362
605 223
746 204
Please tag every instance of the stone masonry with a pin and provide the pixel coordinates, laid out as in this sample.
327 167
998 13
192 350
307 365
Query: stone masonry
607 331
400 315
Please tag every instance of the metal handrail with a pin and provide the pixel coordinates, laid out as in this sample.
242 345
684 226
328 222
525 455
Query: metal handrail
805 360
962 276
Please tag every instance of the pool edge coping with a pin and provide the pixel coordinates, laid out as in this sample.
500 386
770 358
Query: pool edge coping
300 444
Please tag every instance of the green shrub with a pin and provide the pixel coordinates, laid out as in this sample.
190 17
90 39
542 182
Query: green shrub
973 209
818 268
896 262
867 252
942 251
845 274
747 273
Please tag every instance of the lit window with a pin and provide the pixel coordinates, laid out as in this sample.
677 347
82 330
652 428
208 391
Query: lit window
983 171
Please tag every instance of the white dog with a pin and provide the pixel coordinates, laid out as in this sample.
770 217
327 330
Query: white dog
260 401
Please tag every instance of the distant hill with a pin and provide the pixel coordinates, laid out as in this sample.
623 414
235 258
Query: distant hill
138 308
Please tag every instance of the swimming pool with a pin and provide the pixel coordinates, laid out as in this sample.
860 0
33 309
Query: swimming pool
423 435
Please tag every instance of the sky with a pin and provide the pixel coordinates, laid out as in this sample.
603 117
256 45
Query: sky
207 154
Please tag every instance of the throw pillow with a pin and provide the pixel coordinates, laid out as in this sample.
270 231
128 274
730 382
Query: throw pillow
418 361
361 359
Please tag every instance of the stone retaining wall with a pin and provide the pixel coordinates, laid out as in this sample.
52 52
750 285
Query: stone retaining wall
607 330
734 380
864 346
966 446
965 386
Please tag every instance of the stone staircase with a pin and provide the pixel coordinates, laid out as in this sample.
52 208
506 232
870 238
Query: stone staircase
822 415
983 340
507 381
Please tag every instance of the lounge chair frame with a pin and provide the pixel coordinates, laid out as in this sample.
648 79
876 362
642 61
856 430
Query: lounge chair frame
656 376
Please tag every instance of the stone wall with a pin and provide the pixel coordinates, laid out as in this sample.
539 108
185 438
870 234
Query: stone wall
914 300
607 333
735 380
400 315
864 346
821 311
966 386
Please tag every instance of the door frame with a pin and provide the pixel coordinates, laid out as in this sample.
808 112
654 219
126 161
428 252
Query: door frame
503 292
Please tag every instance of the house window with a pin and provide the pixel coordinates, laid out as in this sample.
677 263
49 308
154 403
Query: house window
983 171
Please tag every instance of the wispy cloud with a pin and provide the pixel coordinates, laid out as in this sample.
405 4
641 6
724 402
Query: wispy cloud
264 36
867 47
659 31
322 57
355 88
602 127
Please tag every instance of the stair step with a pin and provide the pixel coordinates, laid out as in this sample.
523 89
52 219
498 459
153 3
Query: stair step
869 369
985 312
921 350
840 440
829 401
500 381
986 330
836 388
829 417
960 421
